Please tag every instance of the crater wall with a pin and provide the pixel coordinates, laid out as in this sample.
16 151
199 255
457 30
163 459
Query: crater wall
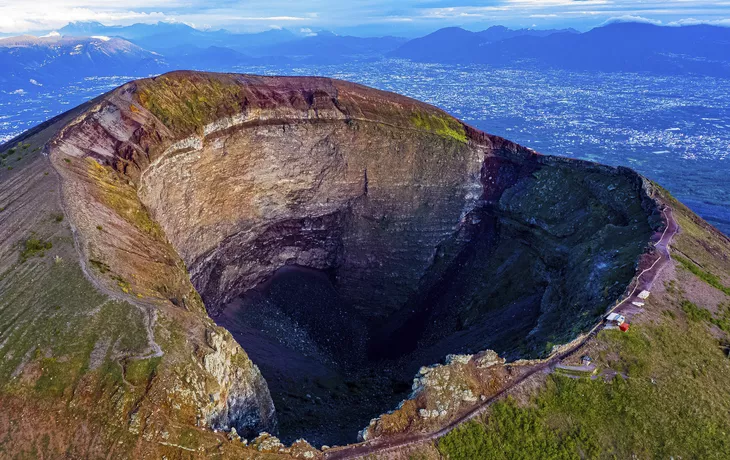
434 238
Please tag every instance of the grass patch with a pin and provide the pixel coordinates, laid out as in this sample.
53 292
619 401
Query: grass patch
699 314
139 372
511 433
705 276
674 405
187 103
56 377
695 313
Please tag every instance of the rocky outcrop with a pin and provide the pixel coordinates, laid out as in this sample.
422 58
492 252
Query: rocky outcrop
244 400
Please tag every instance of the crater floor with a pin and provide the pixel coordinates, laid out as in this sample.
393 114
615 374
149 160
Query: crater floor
496 283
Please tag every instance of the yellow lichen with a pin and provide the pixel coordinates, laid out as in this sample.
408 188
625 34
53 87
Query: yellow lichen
440 124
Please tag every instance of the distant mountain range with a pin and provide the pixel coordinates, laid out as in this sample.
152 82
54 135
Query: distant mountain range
48 59
326 45
92 49
164 36
454 44
632 47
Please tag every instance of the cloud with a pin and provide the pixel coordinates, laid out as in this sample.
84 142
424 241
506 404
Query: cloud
269 18
397 19
307 32
696 22
31 16
630 18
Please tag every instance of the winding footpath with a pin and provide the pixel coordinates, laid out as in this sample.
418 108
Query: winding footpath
643 281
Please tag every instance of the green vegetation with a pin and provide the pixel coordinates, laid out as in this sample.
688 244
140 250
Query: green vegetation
122 283
122 198
58 217
674 403
139 372
699 314
695 313
440 124
34 247
513 433
705 276
186 103
54 378
101 266
67 160
57 330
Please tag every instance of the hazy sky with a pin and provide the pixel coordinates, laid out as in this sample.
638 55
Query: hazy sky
403 17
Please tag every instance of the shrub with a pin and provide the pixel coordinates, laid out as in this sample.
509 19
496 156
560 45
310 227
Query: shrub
99 265
34 247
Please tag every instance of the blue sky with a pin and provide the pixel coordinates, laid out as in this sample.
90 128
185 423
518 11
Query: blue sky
375 17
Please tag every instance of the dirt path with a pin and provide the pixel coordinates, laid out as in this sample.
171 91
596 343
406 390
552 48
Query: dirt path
643 281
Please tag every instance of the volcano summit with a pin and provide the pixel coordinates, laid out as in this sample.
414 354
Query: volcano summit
283 254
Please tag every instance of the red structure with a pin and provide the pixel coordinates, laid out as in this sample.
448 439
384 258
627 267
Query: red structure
624 327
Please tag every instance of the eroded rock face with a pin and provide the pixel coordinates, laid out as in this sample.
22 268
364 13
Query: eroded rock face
433 238
245 402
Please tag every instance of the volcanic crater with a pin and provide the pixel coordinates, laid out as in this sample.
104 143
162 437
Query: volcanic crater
347 236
